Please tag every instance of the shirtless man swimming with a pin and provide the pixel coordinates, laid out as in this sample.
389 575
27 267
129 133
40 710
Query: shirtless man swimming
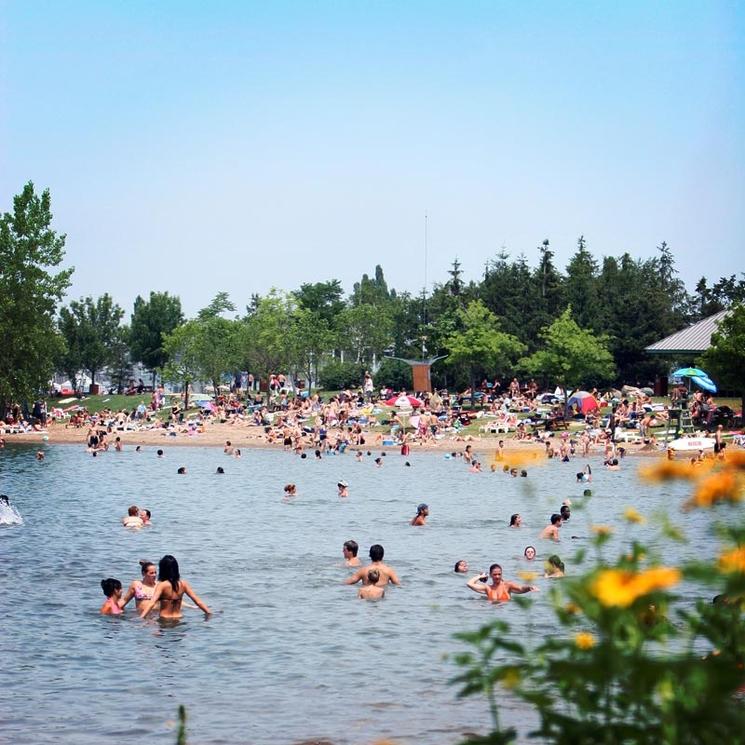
552 531
350 549
386 574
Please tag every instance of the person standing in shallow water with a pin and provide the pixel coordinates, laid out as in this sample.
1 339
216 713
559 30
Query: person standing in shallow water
500 590
170 590
422 512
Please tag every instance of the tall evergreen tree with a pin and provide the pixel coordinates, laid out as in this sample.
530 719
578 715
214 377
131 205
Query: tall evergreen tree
581 287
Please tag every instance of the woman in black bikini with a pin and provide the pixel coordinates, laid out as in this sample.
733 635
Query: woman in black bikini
170 591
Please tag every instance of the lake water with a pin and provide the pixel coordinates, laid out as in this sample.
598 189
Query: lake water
291 653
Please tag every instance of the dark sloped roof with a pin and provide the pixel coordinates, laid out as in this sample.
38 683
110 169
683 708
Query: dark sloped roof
694 339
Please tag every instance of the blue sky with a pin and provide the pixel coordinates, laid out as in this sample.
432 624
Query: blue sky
199 147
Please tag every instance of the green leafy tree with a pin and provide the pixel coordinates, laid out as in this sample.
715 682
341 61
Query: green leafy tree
480 346
371 291
325 299
266 344
90 327
182 347
313 340
121 358
366 331
571 356
725 358
152 320
29 293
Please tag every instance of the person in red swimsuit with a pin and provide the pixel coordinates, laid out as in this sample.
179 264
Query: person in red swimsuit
500 590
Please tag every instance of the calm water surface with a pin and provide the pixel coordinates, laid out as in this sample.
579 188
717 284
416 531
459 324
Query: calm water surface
290 653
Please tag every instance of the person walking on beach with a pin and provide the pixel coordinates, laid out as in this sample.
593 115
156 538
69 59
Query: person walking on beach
386 574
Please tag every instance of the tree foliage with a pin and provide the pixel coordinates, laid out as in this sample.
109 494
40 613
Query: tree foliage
479 345
152 320
571 356
29 293
725 358
90 328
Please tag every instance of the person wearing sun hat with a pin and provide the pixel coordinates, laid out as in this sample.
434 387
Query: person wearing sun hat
343 487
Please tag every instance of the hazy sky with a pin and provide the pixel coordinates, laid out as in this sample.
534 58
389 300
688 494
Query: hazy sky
205 146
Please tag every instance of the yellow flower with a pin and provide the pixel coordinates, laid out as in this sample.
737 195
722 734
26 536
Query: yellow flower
665 470
733 561
527 576
617 587
735 458
511 677
520 459
633 516
720 487
584 640
602 529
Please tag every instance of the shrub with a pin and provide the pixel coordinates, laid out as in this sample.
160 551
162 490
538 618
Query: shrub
337 376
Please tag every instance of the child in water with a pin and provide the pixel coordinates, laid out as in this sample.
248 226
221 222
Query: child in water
112 588
371 591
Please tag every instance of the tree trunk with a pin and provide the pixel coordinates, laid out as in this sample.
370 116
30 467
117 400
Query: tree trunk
155 372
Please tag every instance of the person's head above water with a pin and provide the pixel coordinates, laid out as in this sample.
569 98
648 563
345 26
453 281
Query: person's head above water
351 547
554 562
515 520
133 511
110 586
422 509
168 571
376 552
373 576
555 519
461 566
147 568
4 499
529 553
220 469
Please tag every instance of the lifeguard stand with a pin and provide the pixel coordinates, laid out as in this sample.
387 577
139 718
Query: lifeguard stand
679 422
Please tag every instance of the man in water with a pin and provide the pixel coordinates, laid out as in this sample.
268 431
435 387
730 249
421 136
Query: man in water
350 549
133 519
386 574
500 590
552 531
422 511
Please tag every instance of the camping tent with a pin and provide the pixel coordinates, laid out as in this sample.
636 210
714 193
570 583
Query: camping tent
584 401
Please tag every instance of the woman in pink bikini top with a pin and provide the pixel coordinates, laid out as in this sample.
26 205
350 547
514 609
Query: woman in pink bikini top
141 590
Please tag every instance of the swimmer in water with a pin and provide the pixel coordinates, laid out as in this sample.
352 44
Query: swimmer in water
386 573
371 591
349 550
181 471
343 487
516 521
529 553
133 519
145 516
112 588
39 455
141 589
500 590
551 532
290 490
422 512
553 567
170 591
461 566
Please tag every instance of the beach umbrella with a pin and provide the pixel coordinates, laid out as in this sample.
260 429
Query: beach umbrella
689 372
584 402
404 402
705 382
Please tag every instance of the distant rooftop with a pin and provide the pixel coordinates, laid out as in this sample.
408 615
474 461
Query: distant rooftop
692 340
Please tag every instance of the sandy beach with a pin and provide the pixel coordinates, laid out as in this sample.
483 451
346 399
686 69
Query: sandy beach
244 436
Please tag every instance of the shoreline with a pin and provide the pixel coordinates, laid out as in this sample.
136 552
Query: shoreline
244 438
